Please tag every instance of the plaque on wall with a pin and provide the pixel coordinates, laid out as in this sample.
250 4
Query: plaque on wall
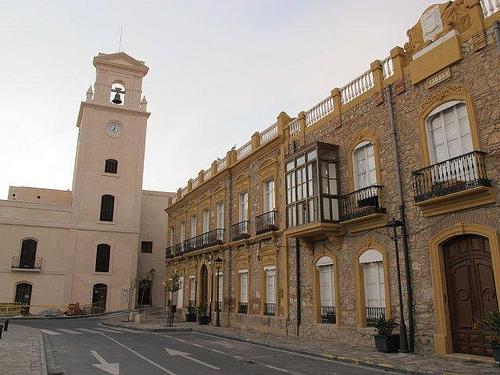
437 78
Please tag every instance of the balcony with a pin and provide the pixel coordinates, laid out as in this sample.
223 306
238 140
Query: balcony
26 264
240 230
173 251
454 184
362 209
374 313
212 238
266 222
328 315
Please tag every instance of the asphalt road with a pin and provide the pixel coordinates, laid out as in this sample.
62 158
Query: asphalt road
84 347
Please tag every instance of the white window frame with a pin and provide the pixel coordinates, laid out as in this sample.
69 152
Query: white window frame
172 236
372 263
367 177
269 196
205 215
243 291
220 215
243 206
325 266
192 288
193 226
271 292
180 293
438 115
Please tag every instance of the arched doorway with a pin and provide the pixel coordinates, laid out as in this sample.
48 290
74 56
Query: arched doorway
471 291
204 286
23 296
99 295
144 292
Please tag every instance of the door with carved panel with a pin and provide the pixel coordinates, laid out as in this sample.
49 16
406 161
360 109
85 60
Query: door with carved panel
471 291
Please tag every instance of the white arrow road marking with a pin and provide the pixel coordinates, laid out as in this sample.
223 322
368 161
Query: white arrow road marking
49 332
187 356
110 368
140 355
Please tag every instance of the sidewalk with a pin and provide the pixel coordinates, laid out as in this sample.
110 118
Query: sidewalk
368 356
20 351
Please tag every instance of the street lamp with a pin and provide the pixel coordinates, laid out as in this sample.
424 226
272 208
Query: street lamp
218 264
403 339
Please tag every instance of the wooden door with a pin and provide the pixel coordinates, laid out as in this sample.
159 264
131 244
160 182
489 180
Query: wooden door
204 286
23 296
471 291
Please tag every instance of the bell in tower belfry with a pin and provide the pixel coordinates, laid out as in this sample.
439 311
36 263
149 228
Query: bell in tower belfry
118 97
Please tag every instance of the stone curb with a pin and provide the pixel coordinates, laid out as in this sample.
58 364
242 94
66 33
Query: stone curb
60 317
43 360
144 329
378 365
333 357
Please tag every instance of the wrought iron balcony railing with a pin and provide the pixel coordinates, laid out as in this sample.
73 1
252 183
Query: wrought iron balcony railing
173 251
243 308
270 309
328 314
373 313
266 222
212 238
361 203
21 263
451 176
240 230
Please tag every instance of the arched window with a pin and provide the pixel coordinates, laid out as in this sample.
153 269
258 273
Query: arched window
372 269
107 207
365 171
111 166
448 131
28 254
326 285
117 95
102 258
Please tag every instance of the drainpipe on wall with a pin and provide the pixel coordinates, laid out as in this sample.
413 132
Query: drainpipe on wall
402 214
496 31
297 275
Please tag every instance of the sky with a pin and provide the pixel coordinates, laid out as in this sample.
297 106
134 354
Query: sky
219 71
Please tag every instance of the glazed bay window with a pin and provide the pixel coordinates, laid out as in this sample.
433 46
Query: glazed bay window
240 230
312 186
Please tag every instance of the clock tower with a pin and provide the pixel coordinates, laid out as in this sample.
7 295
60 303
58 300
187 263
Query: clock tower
107 183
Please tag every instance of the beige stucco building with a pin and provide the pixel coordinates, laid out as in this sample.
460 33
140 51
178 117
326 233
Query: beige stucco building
91 244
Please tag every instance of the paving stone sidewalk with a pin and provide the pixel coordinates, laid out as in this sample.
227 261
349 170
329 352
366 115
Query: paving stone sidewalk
20 351
406 363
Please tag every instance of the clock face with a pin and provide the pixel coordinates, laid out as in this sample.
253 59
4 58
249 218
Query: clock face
114 129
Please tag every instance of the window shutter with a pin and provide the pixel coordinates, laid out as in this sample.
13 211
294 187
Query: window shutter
180 293
326 285
243 287
271 286
102 258
373 274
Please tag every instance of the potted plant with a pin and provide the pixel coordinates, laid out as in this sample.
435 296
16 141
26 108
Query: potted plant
191 313
490 325
203 317
385 340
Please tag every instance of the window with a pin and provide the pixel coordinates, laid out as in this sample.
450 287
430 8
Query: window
28 254
449 132
180 293
243 213
326 289
269 197
205 215
183 234
365 172
374 285
329 190
243 292
220 290
193 226
220 215
147 247
102 258
172 236
270 305
192 290
107 207
111 166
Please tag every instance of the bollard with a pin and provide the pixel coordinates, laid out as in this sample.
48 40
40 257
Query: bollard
1 329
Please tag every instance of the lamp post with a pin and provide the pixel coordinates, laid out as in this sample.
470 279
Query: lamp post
218 264
403 339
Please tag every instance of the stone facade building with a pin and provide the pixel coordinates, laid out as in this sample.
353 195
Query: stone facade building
298 214
91 245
